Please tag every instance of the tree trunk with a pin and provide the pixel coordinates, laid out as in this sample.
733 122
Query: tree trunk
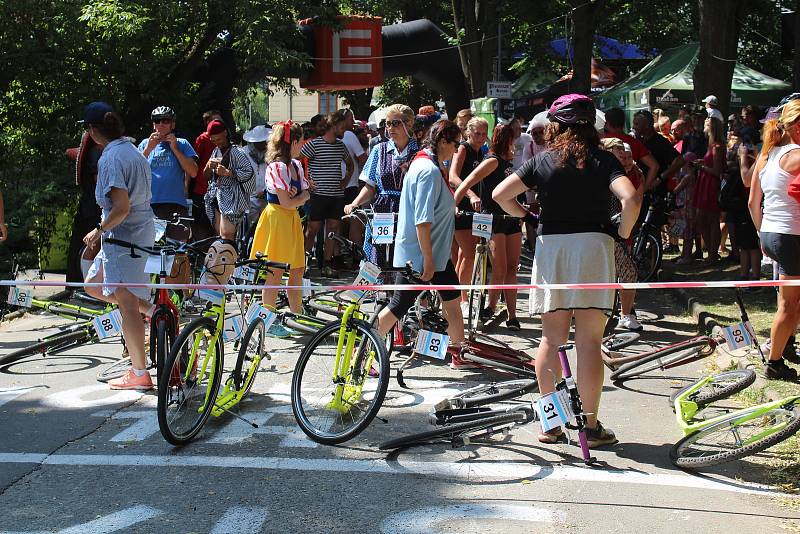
359 101
719 41
584 20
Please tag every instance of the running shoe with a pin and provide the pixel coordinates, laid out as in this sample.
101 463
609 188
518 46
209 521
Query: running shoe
600 436
629 322
278 330
778 370
130 381
513 325
486 314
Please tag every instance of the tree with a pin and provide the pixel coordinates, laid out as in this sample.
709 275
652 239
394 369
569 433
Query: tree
719 40
477 21
584 19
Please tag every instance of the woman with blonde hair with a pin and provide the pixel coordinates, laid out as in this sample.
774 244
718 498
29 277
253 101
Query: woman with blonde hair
383 175
463 118
706 191
777 218
279 233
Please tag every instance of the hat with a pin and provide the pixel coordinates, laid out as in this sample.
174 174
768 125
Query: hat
711 99
537 122
259 134
216 127
612 142
426 110
716 114
371 126
772 113
95 112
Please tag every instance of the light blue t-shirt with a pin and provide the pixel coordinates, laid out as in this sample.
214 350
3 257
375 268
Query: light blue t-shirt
425 198
167 171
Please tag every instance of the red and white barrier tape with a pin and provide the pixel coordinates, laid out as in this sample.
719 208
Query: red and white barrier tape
421 287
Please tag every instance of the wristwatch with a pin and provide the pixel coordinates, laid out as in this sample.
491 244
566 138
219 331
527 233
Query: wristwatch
99 227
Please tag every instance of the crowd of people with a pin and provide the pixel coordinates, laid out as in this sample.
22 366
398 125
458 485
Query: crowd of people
427 170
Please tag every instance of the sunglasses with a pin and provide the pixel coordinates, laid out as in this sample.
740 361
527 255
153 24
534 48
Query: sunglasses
162 121
394 123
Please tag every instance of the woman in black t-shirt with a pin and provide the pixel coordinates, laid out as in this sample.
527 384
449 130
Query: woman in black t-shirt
574 181
506 242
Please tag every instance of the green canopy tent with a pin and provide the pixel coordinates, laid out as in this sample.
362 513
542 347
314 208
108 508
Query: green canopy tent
666 83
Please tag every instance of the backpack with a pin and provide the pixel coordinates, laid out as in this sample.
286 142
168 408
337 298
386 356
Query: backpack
731 194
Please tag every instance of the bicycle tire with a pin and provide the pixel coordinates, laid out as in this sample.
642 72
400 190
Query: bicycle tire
304 324
247 365
648 262
690 351
52 344
326 305
449 432
489 394
476 297
721 386
172 383
304 416
620 340
115 370
736 420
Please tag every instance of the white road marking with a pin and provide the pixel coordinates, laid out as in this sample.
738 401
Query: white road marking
472 471
9 394
75 399
146 425
423 520
108 523
241 519
236 431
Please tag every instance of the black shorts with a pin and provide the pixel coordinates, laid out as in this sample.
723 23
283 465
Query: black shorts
745 235
321 207
403 300
464 222
350 194
784 249
506 226
166 212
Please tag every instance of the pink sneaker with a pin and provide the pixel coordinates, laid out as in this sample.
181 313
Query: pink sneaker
130 381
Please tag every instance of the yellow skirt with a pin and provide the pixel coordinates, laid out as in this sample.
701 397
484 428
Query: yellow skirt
279 236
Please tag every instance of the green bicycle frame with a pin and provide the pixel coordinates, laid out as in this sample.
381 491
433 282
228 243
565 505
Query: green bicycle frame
49 305
686 410
217 313
346 392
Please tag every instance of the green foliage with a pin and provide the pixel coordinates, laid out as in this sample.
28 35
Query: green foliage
250 108
405 90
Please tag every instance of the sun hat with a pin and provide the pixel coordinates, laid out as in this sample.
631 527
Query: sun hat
258 134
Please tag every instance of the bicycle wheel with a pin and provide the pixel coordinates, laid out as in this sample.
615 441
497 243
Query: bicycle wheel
326 303
115 370
335 394
190 384
739 435
251 351
648 260
477 297
618 341
449 432
671 356
488 394
720 386
162 334
49 345
304 323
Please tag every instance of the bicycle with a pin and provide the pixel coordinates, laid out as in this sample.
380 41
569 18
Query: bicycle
675 355
647 247
465 417
165 321
732 435
190 393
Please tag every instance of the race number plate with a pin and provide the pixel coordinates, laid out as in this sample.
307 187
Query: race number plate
245 272
20 296
232 328
482 225
738 335
367 275
257 311
211 295
552 412
383 228
108 325
432 344
153 265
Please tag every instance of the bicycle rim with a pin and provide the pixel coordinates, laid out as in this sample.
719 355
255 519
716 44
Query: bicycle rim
671 356
618 341
249 359
719 386
115 370
189 387
649 260
334 404
739 435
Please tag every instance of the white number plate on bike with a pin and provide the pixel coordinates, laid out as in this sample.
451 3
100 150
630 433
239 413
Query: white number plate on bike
553 412
213 296
432 344
20 296
482 225
232 328
307 291
245 272
383 228
367 275
738 335
153 264
257 311
108 325
160 228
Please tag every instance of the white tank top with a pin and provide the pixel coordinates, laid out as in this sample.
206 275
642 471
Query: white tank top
781 212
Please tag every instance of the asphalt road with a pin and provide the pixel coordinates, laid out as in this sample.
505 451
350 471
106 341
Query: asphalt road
76 457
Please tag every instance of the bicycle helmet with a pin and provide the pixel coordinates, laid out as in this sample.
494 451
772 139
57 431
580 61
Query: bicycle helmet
433 322
572 109
162 112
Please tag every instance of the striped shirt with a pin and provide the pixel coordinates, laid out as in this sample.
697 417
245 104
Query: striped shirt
325 165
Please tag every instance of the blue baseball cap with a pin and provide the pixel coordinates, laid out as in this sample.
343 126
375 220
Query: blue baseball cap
95 112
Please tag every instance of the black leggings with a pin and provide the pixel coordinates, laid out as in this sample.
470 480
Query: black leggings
403 300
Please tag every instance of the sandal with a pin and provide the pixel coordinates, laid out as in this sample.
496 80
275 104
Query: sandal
553 435
600 436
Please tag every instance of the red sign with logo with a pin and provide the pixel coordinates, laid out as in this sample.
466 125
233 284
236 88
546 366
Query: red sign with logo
346 59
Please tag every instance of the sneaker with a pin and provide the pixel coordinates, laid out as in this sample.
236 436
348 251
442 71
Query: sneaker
130 381
778 370
486 313
513 325
553 435
600 436
459 364
790 353
278 330
327 272
629 322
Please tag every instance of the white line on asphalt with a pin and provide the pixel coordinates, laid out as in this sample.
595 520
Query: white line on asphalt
9 394
423 520
108 523
241 519
472 471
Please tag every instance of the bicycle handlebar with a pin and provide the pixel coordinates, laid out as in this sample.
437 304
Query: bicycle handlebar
263 263
170 250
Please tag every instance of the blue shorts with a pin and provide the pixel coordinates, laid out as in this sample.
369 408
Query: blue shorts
785 250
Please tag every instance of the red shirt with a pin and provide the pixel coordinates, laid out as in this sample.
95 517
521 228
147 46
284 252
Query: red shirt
204 147
637 147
